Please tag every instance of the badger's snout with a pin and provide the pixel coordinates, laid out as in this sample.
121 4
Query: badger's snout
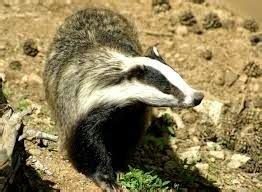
197 98
193 99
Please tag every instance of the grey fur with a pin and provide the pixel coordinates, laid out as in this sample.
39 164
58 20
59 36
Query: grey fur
85 38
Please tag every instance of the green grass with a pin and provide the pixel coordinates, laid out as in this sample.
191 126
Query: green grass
138 180
23 104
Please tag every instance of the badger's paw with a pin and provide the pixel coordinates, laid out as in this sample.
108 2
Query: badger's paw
107 183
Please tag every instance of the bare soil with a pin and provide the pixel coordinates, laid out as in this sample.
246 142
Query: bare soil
206 43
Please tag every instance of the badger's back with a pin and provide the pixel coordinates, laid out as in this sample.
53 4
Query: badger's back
79 57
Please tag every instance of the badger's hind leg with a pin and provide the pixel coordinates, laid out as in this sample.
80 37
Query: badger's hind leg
89 154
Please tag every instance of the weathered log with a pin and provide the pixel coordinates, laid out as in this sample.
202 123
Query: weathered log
12 151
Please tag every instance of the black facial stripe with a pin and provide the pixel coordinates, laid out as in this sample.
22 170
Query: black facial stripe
154 78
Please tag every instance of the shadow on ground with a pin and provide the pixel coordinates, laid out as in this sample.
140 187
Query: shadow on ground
156 154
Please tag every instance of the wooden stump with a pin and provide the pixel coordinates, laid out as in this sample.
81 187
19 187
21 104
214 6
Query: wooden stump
12 151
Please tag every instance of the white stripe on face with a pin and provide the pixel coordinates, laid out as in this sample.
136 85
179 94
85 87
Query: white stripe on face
172 76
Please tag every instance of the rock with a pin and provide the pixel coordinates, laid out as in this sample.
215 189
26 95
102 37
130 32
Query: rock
34 78
257 102
219 78
189 117
217 154
211 21
206 54
230 78
202 166
252 70
237 160
192 155
30 48
181 30
187 18
251 25
256 39
161 5
15 65
212 109
213 146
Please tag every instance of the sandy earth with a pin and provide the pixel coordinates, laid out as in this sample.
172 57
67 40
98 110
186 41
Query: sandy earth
221 61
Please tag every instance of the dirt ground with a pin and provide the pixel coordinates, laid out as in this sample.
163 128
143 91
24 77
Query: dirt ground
219 53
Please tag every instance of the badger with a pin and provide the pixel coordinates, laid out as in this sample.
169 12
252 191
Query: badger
101 88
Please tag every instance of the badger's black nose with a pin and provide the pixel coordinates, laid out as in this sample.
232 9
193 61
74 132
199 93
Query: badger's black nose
197 98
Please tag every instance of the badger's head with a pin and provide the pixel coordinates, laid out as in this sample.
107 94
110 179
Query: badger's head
146 79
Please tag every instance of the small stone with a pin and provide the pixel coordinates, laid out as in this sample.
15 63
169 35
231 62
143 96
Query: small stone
189 117
187 18
30 48
207 54
35 78
230 78
219 78
15 65
237 160
213 146
202 166
256 39
211 21
257 102
243 78
251 25
211 108
217 154
181 30
212 159
192 155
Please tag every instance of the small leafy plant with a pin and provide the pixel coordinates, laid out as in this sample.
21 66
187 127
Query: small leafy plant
139 180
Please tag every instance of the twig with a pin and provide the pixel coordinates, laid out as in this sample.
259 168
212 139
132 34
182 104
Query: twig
242 105
31 134
158 34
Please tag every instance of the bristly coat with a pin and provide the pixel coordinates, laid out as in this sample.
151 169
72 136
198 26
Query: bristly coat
101 87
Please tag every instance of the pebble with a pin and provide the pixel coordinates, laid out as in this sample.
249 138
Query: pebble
217 154
237 160
230 78
202 166
219 78
35 78
192 155
213 146
181 30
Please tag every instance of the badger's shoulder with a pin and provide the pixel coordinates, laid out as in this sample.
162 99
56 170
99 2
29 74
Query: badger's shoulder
91 28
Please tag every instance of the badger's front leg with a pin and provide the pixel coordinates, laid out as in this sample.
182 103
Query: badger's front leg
89 153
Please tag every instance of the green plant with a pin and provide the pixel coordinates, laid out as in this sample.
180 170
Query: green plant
23 104
138 180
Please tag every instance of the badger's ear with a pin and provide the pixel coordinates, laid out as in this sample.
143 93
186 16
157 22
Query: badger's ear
153 53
